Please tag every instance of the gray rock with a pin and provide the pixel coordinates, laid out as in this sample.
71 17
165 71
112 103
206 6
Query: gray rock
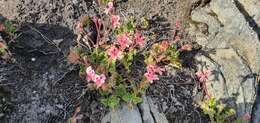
158 117
238 32
227 81
229 28
146 111
202 15
237 52
252 8
143 113
123 115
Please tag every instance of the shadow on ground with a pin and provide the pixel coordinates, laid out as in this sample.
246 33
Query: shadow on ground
40 85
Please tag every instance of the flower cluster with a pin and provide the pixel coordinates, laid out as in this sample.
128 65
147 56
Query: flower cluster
114 52
203 75
115 20
164 46
186 47
152 70
109 8
92 76
124 41
139 39
107 60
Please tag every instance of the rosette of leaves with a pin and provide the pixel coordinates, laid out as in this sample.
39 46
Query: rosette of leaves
219 113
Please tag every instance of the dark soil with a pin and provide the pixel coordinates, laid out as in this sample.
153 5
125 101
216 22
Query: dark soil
41 87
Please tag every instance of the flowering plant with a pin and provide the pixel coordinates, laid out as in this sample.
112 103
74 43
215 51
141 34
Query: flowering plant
221 113
8 28
108 45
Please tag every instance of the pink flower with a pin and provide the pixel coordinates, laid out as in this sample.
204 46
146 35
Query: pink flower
124 40
155 69
99 80
178 24
246 117
202 75
139 39
114 52
97 22
79 26
92 76
90 73
115 20
150 76
109 8
110 5
164 45
186 47
151 73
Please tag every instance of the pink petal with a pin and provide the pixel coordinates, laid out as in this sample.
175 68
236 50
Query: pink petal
100 80
178 24
202 75
90 73
110 5
114 52
115 21
139 39
124 40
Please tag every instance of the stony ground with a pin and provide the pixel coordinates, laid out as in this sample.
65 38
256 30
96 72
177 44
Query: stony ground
39 86
42 87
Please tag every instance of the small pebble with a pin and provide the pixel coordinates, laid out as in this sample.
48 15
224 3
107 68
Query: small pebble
33 59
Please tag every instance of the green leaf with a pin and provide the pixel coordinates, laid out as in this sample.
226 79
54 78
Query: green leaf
137 100
82 68
112 67
131 54
132 98
103 93
2 51
70 120
9 27
174 56
105 1
212 103
112 101
121 91
127 60
130 26
127 97
127 27
144 22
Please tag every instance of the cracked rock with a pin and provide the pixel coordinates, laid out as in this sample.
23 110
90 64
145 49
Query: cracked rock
144 113
251 7
236 85
235 59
